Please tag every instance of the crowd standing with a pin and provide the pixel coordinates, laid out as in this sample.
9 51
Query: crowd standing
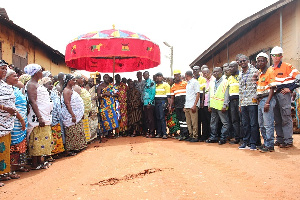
43 117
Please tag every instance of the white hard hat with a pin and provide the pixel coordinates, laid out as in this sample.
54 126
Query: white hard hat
262 54
277 50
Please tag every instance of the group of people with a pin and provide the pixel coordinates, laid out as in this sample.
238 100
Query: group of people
43 117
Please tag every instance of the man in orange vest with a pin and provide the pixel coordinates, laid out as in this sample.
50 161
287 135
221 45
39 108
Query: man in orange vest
285 75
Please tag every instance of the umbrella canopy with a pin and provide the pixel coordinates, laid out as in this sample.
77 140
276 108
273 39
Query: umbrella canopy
112 51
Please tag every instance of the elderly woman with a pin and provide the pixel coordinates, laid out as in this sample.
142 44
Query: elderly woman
18 134
58 146
72 113
40 142
7 117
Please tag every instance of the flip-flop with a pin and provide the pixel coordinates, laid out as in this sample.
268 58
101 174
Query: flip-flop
37 168
46 165
14 175
4 177
23 169
71 154
2 184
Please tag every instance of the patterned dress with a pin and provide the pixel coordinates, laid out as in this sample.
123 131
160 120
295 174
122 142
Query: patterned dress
93 118
7 98
134 109
75 137
86 97
122 98
18 137
108 115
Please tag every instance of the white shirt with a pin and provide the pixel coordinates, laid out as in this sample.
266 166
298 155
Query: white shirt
192 88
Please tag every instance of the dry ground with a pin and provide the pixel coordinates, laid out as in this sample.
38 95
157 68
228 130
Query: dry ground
144 168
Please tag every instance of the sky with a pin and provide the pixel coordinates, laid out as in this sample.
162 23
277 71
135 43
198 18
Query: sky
190 26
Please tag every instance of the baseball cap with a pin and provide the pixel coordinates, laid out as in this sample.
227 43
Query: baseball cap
196 67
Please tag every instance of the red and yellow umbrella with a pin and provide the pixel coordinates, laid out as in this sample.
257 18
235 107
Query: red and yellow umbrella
112 51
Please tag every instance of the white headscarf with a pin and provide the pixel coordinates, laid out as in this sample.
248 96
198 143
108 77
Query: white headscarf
31 69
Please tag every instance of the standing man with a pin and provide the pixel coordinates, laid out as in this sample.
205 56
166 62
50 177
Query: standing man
191 106
140 84
285 75
178 93
266 102
148 102
248 103
204 114
196 72
162 100
233 84
218 106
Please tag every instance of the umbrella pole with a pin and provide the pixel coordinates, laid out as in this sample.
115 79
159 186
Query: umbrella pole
114 70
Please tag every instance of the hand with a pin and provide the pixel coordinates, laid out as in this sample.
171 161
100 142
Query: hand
11 111
266 107
73 118
170 109
23 124
201 105
223 110
41 122
209 109
240 109
193 109
285 91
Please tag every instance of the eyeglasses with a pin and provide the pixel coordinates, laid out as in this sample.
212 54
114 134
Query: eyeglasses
241 61
276 55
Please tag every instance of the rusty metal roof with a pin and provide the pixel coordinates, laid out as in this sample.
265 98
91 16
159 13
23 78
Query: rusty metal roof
238 31
21 31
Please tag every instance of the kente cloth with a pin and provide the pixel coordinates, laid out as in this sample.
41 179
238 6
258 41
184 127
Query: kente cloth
93 118
86 97
40 141
173 123
117 103
77 108
86 128
7 99
75 137
5 154
58 145
45 106
17 135
18 153
134 106
123 122
107 110
56 112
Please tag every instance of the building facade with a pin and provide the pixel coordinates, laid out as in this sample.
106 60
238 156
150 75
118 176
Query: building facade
19 47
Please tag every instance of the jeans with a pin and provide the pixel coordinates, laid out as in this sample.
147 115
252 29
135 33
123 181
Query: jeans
215 116
250 124
161 125
283 118
149 118
266 121
205 122
235 118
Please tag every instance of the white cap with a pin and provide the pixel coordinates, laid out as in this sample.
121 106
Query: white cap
262 54
277 50
196 67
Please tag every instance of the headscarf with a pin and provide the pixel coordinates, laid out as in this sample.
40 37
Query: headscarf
46 73
77 75
31 69
9 72
67 78
45 80
24 78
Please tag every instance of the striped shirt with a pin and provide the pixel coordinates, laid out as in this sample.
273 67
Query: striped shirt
162 90
179 91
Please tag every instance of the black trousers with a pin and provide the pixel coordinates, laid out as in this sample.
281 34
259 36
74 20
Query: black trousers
149 118
182 121
204 123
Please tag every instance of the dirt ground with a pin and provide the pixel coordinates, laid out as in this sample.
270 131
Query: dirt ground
148 168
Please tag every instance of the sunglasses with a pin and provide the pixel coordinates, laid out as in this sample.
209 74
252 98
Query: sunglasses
241 61
276 55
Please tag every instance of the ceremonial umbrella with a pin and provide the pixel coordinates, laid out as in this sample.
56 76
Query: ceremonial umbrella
111 51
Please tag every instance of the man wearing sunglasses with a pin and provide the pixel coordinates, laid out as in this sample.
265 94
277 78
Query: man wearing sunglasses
285 75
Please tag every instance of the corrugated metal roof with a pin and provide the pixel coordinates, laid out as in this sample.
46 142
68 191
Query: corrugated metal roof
30 36
4 13
238 31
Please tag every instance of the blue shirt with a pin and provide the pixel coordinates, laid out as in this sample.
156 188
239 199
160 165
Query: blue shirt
149 92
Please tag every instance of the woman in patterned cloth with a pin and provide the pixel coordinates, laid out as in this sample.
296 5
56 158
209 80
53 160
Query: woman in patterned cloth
39 135
72 113
58 146
18 134
7 116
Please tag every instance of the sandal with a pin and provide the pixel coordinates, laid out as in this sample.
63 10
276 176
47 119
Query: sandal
14 175
23 169
71 153
46 165
4 177
1 184
37 168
